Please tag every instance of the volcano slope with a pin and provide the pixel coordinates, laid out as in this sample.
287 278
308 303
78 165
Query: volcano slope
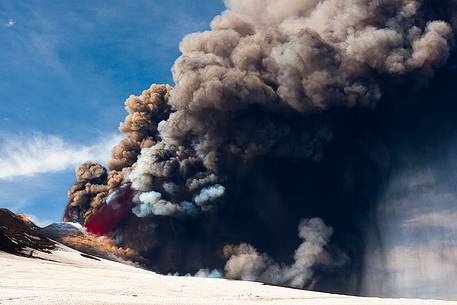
19 236
37 270
65 277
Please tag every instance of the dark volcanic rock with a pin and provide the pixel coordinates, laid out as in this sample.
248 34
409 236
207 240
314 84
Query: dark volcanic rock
20 237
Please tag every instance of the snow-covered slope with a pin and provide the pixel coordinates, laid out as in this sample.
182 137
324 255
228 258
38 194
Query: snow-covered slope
37 270
66 276
58 230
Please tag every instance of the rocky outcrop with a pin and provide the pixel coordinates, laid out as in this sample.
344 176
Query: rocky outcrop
20 236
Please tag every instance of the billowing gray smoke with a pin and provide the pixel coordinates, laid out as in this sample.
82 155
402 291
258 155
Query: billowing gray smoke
247 264
287 58
259 131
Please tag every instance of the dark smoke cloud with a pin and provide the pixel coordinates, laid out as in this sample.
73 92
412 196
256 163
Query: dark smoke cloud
140 126
272 119
88 191
94 182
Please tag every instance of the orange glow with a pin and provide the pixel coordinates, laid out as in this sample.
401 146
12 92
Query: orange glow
101 246
24 218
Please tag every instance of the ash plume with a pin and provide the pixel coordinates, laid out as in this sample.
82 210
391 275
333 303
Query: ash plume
245 263
140 126
271 120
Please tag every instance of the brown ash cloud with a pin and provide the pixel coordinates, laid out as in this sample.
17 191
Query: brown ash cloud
273 118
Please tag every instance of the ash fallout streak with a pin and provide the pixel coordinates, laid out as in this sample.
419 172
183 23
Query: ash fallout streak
266 158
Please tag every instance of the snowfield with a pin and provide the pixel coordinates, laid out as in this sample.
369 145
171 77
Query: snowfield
67 277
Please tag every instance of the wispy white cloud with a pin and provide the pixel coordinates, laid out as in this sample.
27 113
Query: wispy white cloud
10 23
37 154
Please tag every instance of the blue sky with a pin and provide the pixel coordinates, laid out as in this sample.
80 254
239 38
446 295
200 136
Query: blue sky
66 68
